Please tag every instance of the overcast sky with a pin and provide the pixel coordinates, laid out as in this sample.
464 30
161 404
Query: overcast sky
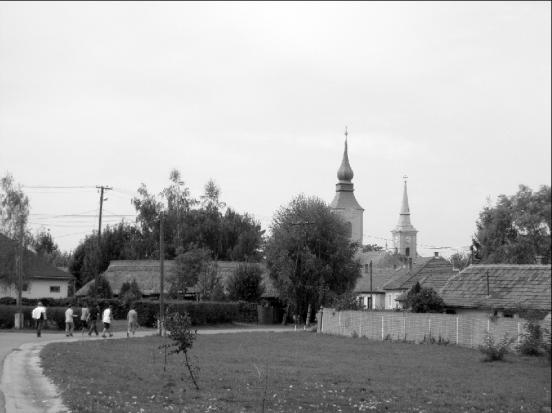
257 96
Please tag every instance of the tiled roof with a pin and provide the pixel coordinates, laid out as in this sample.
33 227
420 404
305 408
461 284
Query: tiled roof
147 274
510 286
34 266
380 276
431 272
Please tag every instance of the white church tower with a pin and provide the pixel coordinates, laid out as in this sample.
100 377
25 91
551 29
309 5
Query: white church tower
344 202
404 234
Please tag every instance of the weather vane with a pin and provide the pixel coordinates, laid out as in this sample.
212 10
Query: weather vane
346 133
405 178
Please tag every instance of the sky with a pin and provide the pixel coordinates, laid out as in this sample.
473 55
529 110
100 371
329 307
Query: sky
256 96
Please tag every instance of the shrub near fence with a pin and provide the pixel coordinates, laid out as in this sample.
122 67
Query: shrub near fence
379 325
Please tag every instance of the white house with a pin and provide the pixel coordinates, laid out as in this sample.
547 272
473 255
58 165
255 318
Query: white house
41 279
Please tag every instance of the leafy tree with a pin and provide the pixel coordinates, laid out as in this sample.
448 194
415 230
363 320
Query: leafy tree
423 300
14 214
103 289
309 255
45 246
371 247
246 283
347 301
130 292
460 260
209 283
190 266
516 230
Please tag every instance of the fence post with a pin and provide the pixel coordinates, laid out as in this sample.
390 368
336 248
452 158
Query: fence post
404 326
488 326
519 332
360 327
382 328
457 338
339 323
429 320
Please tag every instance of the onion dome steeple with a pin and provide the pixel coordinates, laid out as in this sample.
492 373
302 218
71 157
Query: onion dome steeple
345 172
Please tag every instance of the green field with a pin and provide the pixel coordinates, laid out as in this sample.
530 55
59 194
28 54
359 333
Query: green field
294 372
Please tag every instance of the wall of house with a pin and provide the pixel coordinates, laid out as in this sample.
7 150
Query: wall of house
38 289
390 299
468 331
378 300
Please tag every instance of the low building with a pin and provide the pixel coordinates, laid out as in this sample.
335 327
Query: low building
369 290
147 274
41 279
430 272
498 290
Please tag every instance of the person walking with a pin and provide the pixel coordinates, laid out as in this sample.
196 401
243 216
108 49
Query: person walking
39 315
84 318
107 318
69 322
94 315
132 318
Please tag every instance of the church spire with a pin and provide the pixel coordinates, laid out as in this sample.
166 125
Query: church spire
404 217
345 172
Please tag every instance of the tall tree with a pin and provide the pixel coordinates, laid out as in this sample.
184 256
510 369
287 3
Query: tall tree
516 230
14 214
310 255
190 267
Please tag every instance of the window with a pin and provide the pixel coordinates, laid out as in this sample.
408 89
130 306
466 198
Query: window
407 252
26 287
55 288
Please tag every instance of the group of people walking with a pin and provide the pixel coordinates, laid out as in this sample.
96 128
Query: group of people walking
88 318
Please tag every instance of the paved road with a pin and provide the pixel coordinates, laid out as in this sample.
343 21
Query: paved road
24 388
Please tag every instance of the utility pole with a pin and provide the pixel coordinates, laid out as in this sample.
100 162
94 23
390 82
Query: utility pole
162 280
371 289
99 255
19 256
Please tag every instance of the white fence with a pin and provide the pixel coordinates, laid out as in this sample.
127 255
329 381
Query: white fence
468 331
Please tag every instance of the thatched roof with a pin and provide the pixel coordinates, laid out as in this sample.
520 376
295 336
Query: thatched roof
510 287
147 274
34 266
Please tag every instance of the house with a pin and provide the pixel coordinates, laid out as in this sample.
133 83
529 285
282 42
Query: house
430 272
500 289
42 279
369 290
147 274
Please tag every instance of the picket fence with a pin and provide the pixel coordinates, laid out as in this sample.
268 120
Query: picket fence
468 331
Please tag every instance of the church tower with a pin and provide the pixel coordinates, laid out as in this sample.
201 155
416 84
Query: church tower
404 234
344 202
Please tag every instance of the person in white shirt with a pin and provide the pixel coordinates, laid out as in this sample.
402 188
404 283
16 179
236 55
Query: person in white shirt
39 315
85 316
69 322
107 318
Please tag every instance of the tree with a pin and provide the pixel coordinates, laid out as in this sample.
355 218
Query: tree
309 255
103 289
130 292
14 214
209 283
516 230
190 266
423 300
460 260
246 283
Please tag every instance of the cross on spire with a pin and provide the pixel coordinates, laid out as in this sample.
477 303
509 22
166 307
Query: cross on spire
405 178
346 133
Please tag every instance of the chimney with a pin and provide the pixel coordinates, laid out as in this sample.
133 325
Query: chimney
410 264
436 254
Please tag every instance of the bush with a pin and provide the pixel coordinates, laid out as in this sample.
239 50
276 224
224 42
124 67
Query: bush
424 300
246 283
347 301
130 292
532 341
495 351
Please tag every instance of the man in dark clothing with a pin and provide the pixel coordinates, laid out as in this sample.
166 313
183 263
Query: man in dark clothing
94 316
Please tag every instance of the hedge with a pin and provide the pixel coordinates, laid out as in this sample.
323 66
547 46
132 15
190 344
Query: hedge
55 316
201 313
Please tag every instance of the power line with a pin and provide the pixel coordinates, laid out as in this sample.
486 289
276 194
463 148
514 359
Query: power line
57 187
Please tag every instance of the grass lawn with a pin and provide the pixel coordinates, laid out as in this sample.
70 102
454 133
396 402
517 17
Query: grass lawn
306 373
